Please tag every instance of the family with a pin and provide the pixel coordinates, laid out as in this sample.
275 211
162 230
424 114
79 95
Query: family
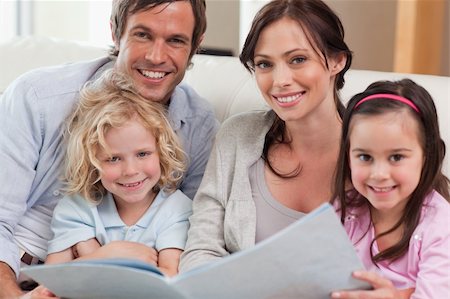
115 158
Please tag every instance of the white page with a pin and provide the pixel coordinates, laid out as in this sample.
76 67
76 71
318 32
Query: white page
307 260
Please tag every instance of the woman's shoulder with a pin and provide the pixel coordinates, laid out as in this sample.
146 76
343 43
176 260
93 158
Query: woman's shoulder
246 124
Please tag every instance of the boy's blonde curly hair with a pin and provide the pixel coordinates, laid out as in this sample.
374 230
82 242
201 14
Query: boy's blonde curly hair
111 101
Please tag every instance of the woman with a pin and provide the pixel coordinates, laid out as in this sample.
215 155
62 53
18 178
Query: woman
268 169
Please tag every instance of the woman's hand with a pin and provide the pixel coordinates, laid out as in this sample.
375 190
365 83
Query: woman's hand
382 288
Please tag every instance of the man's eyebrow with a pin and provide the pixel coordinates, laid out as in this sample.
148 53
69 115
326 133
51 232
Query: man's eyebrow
140 26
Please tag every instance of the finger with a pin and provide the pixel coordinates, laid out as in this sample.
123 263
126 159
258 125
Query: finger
374 294
376 280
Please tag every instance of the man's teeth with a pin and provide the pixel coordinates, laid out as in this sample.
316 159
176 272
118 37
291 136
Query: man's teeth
153 75
288 99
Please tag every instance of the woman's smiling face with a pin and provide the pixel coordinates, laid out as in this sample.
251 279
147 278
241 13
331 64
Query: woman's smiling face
291 75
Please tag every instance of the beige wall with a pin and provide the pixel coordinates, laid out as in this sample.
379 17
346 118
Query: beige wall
223 25
369 31
445 70
370 27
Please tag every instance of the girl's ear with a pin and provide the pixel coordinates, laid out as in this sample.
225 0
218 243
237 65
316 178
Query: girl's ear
337 63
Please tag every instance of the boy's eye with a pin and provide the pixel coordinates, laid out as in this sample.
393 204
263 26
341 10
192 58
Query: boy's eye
112 159
143 154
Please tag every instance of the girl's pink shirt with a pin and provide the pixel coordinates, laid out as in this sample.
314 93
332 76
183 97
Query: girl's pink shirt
426 265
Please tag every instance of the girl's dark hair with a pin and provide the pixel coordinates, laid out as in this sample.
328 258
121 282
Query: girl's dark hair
324 31
431 177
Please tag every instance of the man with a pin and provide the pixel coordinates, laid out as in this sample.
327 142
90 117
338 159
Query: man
154 41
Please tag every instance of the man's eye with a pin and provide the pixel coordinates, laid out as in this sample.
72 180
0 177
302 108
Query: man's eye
177 41
141 34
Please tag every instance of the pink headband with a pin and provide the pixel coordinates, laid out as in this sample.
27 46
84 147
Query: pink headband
388 96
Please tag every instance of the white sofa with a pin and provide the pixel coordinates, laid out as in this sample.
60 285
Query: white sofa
221 80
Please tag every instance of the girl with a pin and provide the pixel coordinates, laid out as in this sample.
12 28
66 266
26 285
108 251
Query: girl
270 168
396 212
124 163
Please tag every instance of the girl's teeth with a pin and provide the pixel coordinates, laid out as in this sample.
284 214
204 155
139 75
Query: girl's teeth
385 189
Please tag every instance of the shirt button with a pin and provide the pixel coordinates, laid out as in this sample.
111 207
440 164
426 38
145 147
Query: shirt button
56 193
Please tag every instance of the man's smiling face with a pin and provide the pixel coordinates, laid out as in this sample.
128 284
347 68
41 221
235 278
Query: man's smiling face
155 47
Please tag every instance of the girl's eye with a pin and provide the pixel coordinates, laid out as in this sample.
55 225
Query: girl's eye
364 157
262 65
298 60
396 158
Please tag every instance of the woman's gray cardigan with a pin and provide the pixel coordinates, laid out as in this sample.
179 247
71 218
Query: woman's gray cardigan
224 214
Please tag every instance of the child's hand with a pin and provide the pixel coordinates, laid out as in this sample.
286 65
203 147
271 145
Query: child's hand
84 248
40 292
126 249
383 288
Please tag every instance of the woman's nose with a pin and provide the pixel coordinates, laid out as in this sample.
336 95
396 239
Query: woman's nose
282 76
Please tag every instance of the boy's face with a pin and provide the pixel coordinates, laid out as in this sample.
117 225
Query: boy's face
130 168
155 47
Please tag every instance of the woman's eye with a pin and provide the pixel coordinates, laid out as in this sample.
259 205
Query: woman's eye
298 60
262 65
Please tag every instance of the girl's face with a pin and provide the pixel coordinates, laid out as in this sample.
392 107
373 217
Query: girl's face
132 168
386 159
291 76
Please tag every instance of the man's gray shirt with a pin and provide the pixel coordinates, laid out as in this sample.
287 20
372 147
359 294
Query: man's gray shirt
33 113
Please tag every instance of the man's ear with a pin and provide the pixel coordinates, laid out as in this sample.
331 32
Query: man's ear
337 63
200 40
113 37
